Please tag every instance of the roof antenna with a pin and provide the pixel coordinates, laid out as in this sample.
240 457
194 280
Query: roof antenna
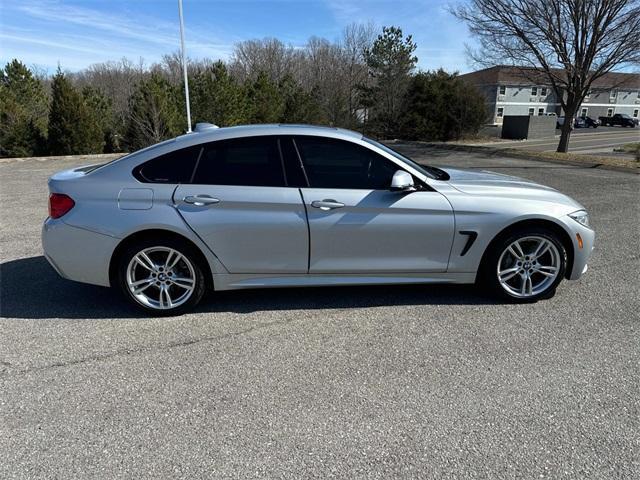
184 67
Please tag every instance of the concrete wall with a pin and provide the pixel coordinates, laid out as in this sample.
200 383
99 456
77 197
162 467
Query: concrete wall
519 127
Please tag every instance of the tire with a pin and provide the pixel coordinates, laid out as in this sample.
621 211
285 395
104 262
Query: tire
175 269
523 279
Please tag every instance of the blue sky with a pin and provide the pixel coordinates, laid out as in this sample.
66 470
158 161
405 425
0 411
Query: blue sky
79 33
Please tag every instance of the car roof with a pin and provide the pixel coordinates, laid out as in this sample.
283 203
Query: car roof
212 133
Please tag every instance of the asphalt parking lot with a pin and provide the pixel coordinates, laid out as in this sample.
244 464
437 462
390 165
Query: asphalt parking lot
376 382
601 141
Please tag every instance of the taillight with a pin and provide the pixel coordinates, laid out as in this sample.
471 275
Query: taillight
59 204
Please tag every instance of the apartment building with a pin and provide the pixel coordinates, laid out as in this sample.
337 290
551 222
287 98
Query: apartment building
515 91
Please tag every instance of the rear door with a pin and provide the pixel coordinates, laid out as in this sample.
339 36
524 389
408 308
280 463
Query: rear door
240 204
357 225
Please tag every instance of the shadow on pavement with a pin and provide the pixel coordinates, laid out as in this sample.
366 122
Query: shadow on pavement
30 288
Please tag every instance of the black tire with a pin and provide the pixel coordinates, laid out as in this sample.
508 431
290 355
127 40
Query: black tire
186 251
488 274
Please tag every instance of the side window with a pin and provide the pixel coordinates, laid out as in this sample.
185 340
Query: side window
331 163
172 167
249 161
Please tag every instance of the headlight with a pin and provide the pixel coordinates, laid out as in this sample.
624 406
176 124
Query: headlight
581 216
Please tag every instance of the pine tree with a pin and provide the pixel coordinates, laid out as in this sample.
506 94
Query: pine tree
73 127
265 100
23 112
440 106
217 98
299 106
155 113
101 109
391 62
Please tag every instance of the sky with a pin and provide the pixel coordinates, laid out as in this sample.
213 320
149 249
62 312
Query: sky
76 34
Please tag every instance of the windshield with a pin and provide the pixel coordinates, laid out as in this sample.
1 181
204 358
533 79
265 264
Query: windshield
429 171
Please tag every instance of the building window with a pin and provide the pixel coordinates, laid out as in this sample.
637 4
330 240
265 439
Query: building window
583 112
543 91
586 97
635 113
541 111
609 112
534 91
502 90
613 95
500 113
532 112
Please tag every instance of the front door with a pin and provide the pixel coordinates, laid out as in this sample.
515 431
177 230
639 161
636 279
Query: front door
240 205
357 225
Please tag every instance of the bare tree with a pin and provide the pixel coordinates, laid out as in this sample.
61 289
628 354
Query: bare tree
571 42
356 39
269 55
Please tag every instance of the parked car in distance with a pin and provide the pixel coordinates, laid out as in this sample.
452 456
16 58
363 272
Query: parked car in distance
560 123
283 205
586 122
591 122
619 119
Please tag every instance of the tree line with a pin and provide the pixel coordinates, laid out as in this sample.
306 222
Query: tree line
363 81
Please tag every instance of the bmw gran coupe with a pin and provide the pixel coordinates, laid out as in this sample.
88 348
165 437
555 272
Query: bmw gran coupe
293 205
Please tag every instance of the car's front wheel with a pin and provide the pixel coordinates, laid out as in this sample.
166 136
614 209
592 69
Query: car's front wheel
526 265
161 277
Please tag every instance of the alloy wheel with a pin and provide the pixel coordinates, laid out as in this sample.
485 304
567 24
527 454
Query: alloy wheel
160 278
528 266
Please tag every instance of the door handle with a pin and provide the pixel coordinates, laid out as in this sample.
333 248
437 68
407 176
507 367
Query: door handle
200 200
327 204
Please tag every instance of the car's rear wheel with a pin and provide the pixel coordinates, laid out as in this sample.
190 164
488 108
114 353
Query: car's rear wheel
526 265
161 276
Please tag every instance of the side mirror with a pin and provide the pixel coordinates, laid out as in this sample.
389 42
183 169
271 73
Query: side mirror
402 182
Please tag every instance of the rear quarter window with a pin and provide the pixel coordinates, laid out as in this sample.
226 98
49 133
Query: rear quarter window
172 167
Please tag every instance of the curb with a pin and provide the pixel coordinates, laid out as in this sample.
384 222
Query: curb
89 158
524 155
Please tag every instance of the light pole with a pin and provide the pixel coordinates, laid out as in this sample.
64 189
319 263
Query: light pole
184 68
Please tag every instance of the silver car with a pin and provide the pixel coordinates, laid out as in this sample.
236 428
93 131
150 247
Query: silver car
294 205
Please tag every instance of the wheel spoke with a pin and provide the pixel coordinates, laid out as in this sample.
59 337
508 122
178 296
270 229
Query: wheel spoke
183 282
168 301
172 262
513 252
518 248
542 272
141 285
144 261
542 249
508 273
526 288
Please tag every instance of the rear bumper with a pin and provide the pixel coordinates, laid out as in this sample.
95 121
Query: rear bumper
78 254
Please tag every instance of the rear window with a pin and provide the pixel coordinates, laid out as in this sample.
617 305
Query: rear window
172 167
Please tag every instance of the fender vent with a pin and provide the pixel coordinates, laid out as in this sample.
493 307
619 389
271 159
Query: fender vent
471 237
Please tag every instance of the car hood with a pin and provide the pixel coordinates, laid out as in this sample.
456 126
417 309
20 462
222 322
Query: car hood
487 183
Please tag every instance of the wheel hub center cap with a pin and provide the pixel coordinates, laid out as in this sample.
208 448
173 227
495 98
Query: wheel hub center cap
527 265
162 277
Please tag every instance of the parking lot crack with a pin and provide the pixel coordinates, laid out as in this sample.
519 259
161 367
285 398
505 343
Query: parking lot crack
9 372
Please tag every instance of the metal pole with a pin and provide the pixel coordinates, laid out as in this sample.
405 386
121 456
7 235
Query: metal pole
184 68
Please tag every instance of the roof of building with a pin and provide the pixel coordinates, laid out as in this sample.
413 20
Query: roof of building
509 75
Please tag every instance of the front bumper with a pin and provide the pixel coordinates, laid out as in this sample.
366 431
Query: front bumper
78 254
582 255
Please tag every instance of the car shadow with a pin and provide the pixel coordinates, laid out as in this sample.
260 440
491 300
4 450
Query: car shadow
31 289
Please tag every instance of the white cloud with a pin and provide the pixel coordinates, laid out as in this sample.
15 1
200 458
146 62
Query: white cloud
79 36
